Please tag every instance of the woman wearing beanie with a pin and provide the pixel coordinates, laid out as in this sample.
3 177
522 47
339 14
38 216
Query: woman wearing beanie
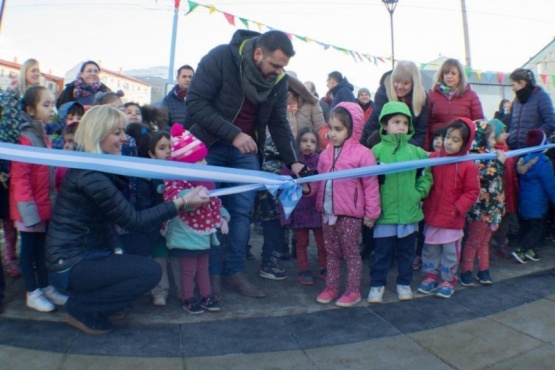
532 108
403 84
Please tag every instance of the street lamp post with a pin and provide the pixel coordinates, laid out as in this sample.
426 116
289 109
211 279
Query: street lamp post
391 5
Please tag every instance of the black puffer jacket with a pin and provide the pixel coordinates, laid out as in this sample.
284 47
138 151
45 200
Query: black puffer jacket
216 95
89 203
176 108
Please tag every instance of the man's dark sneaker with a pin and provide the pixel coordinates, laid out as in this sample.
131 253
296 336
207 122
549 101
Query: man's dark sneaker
209 304
192 306
272 272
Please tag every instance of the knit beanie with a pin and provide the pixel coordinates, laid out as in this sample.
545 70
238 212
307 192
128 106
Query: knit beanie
393 108
535 137
498 127
364 90
185 147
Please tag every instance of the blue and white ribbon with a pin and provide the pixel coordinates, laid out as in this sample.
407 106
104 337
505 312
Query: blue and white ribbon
251 180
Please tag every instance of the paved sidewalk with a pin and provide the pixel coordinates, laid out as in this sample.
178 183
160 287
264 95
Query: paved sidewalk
507 325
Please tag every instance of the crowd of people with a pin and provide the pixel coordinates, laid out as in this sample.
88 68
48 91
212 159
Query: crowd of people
94 242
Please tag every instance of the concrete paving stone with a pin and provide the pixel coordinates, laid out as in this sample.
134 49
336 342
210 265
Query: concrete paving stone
12 358
83 362
519 318
348 325
539 358
534 286
131 340
475 344
238 336
283 360
397 352
423 314
31 334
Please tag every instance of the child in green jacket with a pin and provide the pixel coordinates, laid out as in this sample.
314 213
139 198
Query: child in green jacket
400 194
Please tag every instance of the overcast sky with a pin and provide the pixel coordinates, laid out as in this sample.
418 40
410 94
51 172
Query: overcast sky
129 34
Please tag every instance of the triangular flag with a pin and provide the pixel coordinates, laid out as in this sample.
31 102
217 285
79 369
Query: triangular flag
553 79
176 4
489 75
358 55
381 59
422 65
259 26
302 38
192 6
500 77
230 18
245 22
544 78
212 9
468 71
478 74
375 61
353 55
288 35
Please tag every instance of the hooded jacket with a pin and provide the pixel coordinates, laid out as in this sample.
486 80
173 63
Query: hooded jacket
537 185
419 123
537 112
353 197
442 110
490 206
342 92
456 188
216 95
31 185
401 192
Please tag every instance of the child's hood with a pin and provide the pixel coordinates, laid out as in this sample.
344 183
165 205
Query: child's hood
393 108
480 142
357 116
472 129
64 109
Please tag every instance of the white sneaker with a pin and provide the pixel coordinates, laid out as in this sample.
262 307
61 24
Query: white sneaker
404 292
159 301
54 296
37 301
376 294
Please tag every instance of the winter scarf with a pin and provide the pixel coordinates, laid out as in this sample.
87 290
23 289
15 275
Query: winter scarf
524 94
448 91
82 89
256 88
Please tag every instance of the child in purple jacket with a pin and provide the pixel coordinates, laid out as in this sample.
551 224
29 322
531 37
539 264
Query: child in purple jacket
305 217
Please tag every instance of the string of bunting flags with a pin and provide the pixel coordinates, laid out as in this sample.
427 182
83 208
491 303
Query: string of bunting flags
501 77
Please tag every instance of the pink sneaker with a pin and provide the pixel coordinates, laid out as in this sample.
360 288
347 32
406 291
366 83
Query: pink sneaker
327 295
348 299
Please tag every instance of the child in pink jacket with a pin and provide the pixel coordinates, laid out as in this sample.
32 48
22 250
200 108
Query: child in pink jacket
344 203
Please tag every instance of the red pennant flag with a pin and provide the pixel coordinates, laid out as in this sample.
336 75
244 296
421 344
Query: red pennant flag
500 77
544 79
289 35
230 18
381 59
358 55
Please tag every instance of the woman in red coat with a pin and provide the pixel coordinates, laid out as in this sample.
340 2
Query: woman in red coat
451 97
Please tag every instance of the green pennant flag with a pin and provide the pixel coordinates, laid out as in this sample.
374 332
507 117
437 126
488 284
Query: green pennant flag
468 71
340 49
553 79
192 6
302 38
245 22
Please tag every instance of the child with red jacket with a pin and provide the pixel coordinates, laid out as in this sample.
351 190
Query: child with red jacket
456 188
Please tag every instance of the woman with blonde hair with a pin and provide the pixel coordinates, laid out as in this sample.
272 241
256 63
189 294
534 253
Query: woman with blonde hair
83 251
403 84
450 98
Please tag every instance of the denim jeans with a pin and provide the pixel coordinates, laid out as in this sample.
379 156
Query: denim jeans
384 251
222 153
99 287
272 246
32 260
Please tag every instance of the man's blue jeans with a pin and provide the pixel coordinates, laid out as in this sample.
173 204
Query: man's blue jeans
232 260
